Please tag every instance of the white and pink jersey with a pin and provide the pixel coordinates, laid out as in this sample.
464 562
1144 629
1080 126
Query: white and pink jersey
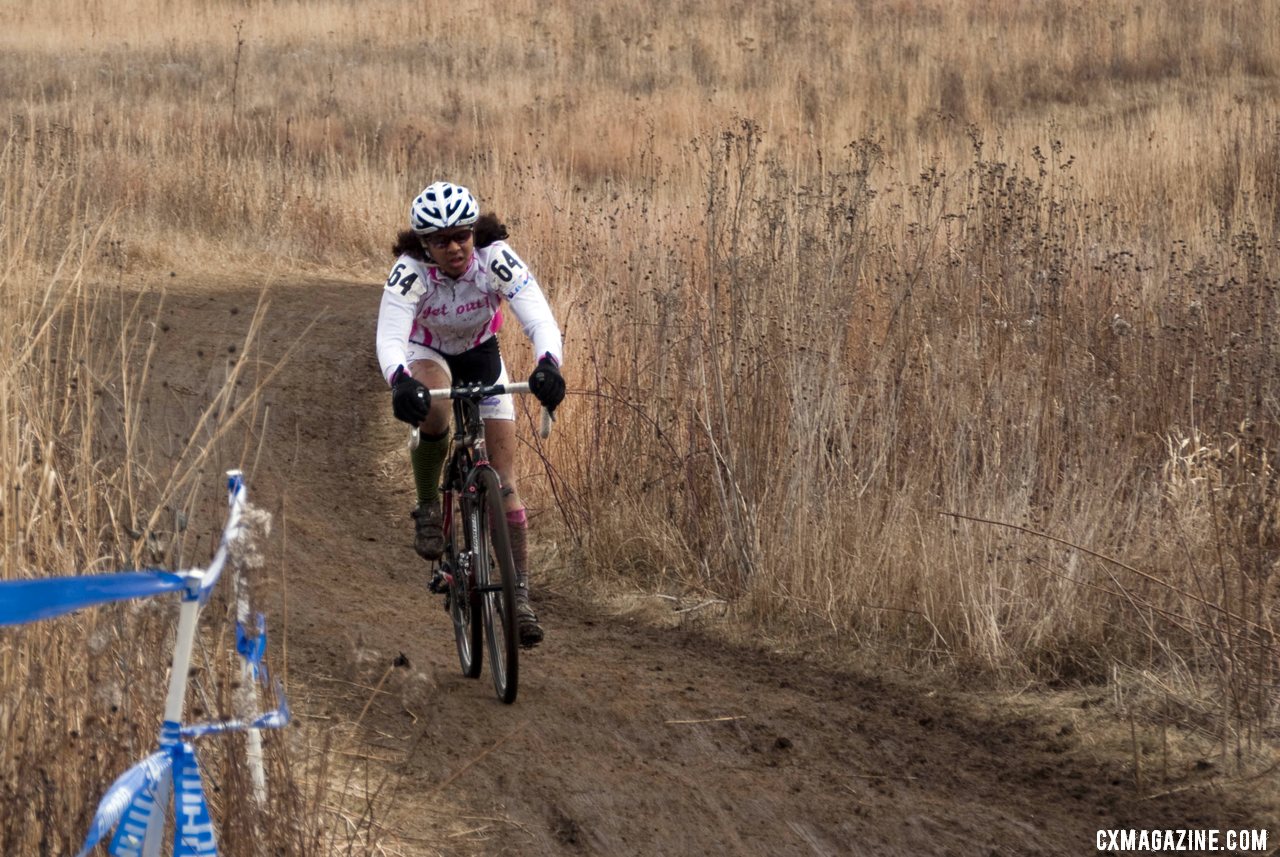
424 306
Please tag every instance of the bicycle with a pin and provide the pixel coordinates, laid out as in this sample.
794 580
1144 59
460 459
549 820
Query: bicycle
480 603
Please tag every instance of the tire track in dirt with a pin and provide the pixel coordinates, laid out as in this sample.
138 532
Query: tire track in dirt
626 739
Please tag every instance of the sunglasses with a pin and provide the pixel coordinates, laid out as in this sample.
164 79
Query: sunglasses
440 240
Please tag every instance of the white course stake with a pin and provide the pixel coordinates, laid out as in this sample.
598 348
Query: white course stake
199 582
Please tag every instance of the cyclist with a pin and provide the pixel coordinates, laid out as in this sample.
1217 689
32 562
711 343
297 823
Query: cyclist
438 325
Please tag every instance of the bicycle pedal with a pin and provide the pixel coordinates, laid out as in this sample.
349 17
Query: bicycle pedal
440 582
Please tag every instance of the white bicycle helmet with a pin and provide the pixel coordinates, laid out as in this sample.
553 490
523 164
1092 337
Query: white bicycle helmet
442 205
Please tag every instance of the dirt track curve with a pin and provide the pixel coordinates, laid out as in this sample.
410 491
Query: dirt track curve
619 742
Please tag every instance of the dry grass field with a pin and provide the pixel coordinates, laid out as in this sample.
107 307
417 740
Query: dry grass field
941 334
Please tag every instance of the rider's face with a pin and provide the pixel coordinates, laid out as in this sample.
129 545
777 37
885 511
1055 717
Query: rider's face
451 250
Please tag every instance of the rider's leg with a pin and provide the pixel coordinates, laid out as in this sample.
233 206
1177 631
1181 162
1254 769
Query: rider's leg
501 438
500 435
428 460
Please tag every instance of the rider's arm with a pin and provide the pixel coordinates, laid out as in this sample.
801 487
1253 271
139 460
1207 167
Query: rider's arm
395 317
527 301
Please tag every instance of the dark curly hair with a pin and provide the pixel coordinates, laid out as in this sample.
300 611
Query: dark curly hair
488 230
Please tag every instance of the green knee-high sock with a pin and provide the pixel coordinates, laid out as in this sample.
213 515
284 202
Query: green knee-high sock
428 461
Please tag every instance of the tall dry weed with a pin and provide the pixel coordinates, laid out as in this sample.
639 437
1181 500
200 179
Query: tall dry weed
934 419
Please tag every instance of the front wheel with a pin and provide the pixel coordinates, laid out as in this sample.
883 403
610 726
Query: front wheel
495 572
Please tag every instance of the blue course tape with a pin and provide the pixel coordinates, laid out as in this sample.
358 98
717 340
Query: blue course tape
132 793
235 485
30 600
193 832
252 649
277 719
130 802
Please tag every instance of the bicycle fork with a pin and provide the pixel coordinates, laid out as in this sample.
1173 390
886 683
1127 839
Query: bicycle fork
443 578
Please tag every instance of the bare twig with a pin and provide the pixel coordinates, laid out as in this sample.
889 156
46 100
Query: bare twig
706 603
709 719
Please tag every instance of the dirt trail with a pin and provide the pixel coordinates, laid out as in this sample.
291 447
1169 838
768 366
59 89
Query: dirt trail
626 739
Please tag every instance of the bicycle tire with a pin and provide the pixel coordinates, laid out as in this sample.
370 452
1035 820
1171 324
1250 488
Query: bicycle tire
464 599
491 545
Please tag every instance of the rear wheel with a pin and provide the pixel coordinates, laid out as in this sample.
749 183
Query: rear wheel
464 600
496 583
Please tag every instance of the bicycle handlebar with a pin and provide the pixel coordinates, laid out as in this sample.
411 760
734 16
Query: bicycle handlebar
479 391
484 391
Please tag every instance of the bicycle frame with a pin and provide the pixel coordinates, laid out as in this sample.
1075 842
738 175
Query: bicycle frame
470 454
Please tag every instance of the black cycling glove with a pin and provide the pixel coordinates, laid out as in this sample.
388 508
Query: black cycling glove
409 397
547 383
